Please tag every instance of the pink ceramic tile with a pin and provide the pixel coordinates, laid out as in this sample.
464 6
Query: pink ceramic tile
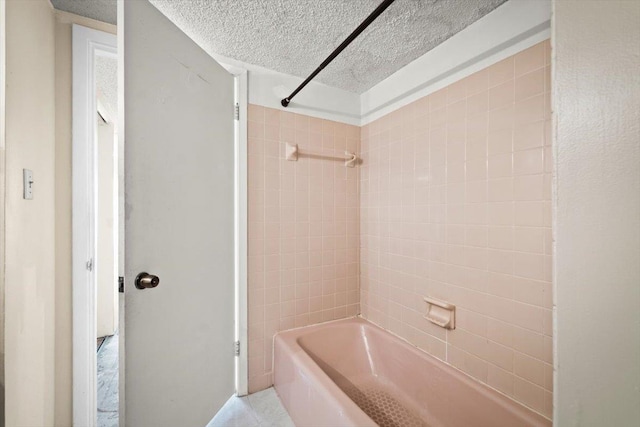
528 162
501 95
476 148
478 103
548 405
529 135
500 142
530 84
530 59
501 237
500 166
529 239
529 187
500 380
468 363
476 169
477 82
502 118
501 72
530 214
530 110
500 355
500 285
528 265
437 100
529 394
528 342
285 244
457 91
529 291
500 190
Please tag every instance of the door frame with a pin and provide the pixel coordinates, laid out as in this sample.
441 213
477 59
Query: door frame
241 82
86 45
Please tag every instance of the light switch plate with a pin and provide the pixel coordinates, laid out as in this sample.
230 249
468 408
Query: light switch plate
27 180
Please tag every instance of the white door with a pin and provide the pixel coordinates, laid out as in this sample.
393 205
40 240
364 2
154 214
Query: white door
179 219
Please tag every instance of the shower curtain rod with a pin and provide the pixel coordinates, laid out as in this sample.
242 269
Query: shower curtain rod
372 17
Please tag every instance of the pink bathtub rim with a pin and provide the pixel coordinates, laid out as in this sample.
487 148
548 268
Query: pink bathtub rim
312 398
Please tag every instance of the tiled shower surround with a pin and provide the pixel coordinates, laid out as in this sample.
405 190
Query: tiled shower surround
456 204
303 229
452 201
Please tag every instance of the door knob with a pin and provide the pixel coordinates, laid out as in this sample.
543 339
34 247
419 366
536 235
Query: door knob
145 280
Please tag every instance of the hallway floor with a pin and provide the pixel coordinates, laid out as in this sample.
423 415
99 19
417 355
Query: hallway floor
262 409
108 382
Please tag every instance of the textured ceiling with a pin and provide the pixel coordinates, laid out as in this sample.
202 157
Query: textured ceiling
107 85
294 36
101 10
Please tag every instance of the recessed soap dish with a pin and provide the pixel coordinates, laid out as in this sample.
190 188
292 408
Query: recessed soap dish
440 313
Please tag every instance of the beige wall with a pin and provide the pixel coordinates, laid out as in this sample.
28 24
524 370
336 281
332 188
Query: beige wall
63 332
39 137
597 212
455 205
107 289
2 202
303 229
30 270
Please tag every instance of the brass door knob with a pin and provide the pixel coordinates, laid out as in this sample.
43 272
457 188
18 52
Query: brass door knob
145 280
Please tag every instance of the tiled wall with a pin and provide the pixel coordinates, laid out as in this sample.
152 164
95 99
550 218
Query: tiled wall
456 204
303 229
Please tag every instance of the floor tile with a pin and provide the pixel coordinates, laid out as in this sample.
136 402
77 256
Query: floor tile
107 397
262 409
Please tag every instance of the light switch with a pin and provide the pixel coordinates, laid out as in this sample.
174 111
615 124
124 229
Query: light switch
27 178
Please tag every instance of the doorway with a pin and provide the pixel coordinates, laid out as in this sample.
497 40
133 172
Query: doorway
98 229
109 262
95 264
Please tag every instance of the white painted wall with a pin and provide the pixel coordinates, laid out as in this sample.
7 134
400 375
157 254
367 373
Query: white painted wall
107 292
596 91
29 224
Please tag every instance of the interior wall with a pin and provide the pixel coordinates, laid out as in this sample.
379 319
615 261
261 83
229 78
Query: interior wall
597 212
302 231
455 193
63 331
29 239
107 290
2 201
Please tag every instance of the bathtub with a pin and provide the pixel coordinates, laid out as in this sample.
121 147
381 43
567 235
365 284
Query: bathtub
352 373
